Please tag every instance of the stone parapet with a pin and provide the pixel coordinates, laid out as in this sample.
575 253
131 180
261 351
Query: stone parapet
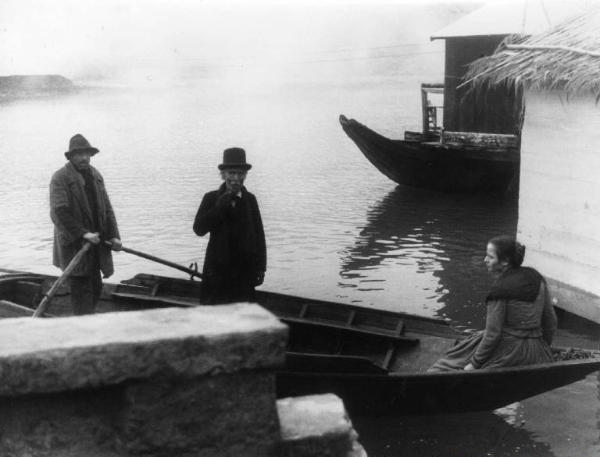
53 355
197 381
193 382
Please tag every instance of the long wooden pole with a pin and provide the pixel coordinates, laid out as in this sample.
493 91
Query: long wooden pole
159 260
67 271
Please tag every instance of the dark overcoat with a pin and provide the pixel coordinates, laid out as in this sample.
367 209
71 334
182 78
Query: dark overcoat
67 191
236 251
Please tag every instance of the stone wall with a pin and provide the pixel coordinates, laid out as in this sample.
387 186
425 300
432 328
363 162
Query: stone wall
169 382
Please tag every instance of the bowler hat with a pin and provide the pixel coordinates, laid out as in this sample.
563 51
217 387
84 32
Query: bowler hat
234 158
78 143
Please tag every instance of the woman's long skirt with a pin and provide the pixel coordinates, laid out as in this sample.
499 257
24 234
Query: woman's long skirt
511 351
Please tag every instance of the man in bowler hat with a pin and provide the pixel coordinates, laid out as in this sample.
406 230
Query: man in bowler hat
81 212
236 255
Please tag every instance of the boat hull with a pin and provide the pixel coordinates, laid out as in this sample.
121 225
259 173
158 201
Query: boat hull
437 166
434 393
375 360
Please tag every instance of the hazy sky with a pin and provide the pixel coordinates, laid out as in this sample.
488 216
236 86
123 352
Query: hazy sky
91 37
72 37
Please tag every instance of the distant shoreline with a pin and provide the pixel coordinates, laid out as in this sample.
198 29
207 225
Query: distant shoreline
21 86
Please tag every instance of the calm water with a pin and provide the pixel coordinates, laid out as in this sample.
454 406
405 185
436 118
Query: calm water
336 228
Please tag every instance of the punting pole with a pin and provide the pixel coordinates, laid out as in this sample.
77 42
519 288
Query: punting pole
159 260
67 271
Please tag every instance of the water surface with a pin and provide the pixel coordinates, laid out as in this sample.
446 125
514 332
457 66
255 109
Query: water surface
336 228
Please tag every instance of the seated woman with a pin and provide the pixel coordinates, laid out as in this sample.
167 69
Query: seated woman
520 318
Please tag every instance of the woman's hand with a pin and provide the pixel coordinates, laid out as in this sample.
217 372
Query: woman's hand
469 367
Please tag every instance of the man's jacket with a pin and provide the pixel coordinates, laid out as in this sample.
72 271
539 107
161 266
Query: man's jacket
71 214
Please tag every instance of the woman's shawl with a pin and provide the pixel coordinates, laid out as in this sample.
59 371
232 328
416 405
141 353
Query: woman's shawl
521 283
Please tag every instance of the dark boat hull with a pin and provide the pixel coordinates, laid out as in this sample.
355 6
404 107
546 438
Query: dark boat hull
375 360
429 393
437 166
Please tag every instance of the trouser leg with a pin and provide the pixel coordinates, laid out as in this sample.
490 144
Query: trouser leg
85 293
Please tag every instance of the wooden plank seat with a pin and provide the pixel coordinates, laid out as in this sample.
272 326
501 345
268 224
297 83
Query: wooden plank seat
27 292
326 363
175 301
137 289
11 309
348 328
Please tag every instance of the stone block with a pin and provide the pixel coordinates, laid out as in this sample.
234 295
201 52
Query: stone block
316 426
197 381
58 354
68 424
211 416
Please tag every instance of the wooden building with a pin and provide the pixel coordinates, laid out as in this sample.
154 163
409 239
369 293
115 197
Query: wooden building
477 35
559 202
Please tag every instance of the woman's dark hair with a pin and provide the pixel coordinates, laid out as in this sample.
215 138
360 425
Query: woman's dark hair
509 249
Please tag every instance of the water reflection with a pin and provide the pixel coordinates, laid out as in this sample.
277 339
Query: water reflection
452 435
441 235
565 418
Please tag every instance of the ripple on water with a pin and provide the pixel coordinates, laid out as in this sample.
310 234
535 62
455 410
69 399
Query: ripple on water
336 228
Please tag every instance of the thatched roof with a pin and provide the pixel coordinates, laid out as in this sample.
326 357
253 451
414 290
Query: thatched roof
565 57
523 17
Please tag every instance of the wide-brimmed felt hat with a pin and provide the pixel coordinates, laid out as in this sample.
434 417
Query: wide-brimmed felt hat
78 143
234 158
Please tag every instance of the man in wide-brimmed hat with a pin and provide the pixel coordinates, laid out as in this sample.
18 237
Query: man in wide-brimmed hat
81 212
236 255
